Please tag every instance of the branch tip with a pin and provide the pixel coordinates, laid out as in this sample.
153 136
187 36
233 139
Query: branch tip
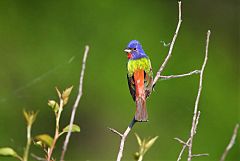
231 143
115 131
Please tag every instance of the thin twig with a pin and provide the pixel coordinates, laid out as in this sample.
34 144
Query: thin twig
183 148
76 103
199 155
196 112
115 131
162 77
231 143
180 141
193 129
197 120
123 138
38 158
171 45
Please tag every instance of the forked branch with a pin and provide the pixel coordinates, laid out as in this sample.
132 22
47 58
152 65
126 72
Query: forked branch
123 138
196 114
195 120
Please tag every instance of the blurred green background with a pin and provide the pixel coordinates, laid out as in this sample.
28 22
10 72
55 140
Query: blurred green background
38 38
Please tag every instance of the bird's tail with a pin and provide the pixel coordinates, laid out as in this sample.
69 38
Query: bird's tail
141 110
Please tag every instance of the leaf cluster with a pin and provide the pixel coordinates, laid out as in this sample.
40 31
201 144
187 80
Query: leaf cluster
44 141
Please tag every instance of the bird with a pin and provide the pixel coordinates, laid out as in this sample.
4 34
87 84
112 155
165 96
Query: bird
140 78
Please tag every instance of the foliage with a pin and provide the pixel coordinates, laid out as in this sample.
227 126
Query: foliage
44 141
144 146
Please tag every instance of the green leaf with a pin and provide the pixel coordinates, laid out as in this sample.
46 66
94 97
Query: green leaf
138 139
54 105
75 128
45 139
6 151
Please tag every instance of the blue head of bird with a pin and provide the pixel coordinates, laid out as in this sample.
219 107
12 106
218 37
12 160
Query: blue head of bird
134 50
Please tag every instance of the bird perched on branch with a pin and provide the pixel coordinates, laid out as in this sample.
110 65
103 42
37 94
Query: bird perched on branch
140 78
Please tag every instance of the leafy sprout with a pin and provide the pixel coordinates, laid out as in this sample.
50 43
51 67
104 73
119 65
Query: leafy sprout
144 146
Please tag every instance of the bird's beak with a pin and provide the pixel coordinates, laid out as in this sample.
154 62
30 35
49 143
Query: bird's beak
127 50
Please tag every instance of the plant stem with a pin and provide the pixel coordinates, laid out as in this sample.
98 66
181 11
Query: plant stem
26 151
140 158
50 151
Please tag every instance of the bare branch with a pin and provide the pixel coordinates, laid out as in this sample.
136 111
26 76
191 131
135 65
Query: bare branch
76 103
38 158
196 115
171 45
187 143
183 148
123 138
180 141
162 77
199 155
115 131
231 143
195 120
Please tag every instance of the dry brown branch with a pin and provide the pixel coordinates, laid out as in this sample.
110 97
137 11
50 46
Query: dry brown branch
123 138
195 115
231 143
76 103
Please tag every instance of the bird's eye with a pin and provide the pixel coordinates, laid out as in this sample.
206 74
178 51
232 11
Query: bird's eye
134 49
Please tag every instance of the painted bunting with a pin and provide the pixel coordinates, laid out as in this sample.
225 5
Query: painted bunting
140 78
